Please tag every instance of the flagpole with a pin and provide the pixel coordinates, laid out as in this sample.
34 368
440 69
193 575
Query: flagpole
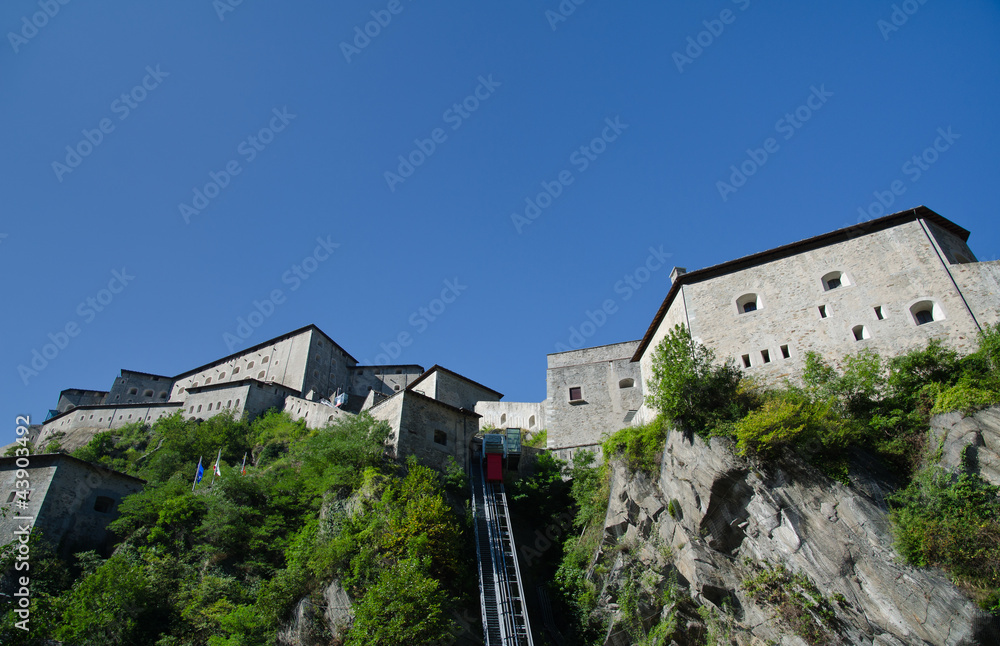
215 469
195 483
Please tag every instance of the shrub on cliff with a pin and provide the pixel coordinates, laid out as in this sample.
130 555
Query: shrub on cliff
689 389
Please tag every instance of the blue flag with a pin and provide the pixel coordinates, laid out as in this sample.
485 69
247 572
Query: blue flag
198 474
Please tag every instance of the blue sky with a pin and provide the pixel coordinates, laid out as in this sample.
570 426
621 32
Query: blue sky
624 117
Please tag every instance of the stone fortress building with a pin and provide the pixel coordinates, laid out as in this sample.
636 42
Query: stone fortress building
888 284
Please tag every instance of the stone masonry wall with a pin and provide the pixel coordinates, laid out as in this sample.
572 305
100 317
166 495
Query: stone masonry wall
891 270
610 386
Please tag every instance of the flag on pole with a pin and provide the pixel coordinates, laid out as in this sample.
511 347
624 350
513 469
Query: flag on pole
218 471
198 474
243 469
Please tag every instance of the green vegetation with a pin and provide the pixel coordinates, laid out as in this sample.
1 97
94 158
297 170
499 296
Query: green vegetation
952 522
690 390
538 440
226 564
796 600
639 446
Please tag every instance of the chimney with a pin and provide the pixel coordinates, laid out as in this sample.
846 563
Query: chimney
675 272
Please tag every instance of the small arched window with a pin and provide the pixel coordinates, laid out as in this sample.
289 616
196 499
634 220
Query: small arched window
748 303
237 403
208 381
330 418
860 332
236 370
626 383
250 365
503 419
834 279
265 359
926 312
260 375
222 376
133 391
194 385
531 422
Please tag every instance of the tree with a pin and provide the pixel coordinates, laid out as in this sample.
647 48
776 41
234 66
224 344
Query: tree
690 389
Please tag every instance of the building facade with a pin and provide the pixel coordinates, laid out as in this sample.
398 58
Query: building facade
890 285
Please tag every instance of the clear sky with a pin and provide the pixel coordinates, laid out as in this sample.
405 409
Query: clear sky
178 162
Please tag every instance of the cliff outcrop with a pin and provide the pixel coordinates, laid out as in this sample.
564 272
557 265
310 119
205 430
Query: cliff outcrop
781 553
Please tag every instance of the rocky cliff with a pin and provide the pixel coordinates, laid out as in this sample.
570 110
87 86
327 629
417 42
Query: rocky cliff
786 555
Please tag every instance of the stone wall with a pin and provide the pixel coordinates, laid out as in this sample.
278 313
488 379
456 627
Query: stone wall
72 501
980 284
383 379
885 276
75 428
453 389
610 392
315 414
525 415
139 388
74 397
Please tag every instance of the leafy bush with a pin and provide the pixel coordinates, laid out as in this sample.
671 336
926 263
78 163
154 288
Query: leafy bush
640 446
689 389
952 522
405 606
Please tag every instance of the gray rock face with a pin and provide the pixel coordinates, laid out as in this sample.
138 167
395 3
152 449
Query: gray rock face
970 442
730 515
312 626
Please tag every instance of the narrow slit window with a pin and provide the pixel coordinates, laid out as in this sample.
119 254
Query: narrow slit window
746 361
765 356
878 312
784 352
822 311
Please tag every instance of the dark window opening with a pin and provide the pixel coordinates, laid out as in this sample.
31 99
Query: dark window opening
626 383
746 361
784 352
822 311
575 393
923 316
833 283
766 356
878 312
133 391
440 437
103 504
750 307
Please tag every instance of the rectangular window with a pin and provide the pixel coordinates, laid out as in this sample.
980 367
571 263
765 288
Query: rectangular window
822 311
746 361
784 352
766 356
575 394
878 312
440 437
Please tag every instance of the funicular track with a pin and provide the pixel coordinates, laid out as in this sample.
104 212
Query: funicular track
505 618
